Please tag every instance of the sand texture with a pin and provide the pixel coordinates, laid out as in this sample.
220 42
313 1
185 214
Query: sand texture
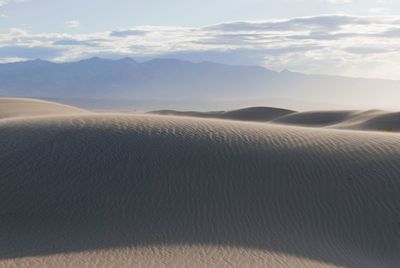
115 190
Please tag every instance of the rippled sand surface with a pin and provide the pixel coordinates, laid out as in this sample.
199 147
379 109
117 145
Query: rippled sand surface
114 190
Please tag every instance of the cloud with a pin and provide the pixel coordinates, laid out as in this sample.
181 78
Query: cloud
127 33
367 50
6 2
334 44
339 1
73 23
29 52
379 10
394 32
327 22
74 42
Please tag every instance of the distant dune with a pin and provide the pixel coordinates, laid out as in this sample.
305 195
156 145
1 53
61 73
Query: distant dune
360 120
257 114
357 120
102 190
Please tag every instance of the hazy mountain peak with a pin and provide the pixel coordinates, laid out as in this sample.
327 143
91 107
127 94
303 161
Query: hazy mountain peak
172 79
127 59
39 61
95 59
166 61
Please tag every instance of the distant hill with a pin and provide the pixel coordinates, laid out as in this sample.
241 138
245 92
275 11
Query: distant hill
375 120
256 114
169 79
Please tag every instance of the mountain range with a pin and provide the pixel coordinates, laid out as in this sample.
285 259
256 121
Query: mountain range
175 80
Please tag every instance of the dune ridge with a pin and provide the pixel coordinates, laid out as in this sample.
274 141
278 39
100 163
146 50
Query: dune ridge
357 120
374 120
256 114
24 107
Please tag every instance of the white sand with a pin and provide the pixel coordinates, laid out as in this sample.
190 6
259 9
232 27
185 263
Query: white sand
114 190
19 107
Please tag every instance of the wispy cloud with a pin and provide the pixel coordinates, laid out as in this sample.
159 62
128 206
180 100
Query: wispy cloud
126 33
73 23
6 2
339 1
335 44
29 52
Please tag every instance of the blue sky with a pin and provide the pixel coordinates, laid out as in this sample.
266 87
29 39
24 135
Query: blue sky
100 15
344 37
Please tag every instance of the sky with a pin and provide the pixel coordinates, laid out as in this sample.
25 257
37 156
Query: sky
358 38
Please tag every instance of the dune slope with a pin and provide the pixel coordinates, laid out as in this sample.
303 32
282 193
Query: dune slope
359 120
145 189
18 107
315 118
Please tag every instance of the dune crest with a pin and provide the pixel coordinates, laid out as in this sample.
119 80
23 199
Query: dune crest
19 107
256 114
358 120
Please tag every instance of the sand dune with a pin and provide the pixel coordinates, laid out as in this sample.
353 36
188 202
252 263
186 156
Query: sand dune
315 118
360 120
148 190
18 107
375 120
256 114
